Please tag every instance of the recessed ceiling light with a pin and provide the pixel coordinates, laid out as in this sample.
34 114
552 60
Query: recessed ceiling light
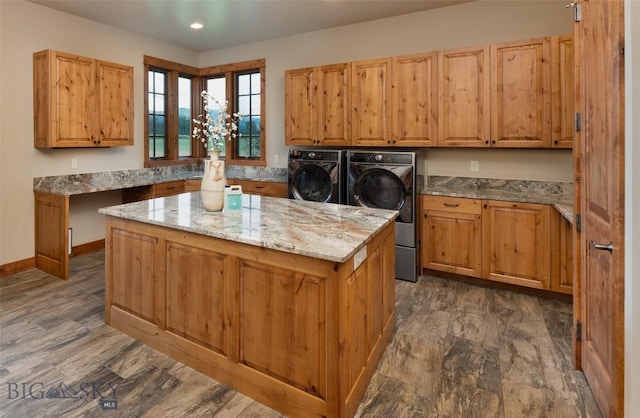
197 25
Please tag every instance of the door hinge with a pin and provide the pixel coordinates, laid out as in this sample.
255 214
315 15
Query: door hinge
577 121
578 223
578 331
577 11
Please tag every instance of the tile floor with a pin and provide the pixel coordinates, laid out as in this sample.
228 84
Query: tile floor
459 351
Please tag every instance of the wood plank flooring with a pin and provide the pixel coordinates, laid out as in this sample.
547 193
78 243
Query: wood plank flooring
458 351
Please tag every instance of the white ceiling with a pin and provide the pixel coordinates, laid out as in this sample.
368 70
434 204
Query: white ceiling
234 22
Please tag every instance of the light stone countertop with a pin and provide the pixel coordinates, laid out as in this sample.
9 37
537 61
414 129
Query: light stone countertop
74 184
557 194
321 230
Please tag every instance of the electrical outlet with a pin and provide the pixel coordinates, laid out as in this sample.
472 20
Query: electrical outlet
474 166
74 163
276 159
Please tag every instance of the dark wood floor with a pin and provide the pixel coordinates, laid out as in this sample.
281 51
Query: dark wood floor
458 351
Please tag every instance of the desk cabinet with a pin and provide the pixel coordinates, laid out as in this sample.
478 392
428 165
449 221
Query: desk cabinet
263 188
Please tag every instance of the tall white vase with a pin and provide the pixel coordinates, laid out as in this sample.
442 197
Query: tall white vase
213 182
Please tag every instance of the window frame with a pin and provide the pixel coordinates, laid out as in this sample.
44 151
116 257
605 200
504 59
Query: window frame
230 71
199 76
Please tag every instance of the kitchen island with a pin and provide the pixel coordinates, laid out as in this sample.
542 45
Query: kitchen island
289 302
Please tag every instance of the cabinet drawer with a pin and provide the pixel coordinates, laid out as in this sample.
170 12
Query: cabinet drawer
168 189
264 188
451 204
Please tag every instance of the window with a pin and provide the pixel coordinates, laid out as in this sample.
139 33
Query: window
173 100
249 105
157 112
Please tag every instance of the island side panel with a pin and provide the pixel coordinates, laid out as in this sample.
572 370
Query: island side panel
368 309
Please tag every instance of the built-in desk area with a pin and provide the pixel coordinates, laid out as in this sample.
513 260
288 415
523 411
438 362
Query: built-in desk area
51 200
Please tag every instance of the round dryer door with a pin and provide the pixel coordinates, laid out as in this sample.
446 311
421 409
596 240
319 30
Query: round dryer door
312 183
379 188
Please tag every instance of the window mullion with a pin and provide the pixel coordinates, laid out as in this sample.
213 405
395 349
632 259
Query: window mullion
172 115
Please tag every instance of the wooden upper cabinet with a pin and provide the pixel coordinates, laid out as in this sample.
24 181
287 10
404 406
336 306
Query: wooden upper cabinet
414 100
562 91
317 105
114 107
81 102
299 109
520 94
371 95
464 104
334 104
516 243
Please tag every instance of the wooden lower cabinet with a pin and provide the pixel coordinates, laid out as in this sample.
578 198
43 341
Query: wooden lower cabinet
263 188
301 335
561 254
136 194
452 235
522 244
516 243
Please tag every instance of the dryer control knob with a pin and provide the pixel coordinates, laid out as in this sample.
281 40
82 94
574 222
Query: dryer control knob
312 155
379 157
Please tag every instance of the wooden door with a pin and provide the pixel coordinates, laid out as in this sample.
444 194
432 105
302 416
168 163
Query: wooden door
300 122
114 109
562 91
334 105
516 242
414 99
464 105
371 102
520 94
599 40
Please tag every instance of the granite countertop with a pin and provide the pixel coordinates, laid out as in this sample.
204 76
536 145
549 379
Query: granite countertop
557 194
321 230
73 184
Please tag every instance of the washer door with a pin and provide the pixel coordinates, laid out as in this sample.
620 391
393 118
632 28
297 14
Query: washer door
311 182
379 188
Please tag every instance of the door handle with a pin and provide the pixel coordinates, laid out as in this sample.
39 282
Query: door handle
606 247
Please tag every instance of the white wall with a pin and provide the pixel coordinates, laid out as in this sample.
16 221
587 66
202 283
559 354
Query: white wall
632 209
463 25
26 28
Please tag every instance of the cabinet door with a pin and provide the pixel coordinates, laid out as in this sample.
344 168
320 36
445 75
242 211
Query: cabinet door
300 121
452 235
70 81
114 107
371 88
464 105
562 91
516 243
414 100
520 94
334 104
561 254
